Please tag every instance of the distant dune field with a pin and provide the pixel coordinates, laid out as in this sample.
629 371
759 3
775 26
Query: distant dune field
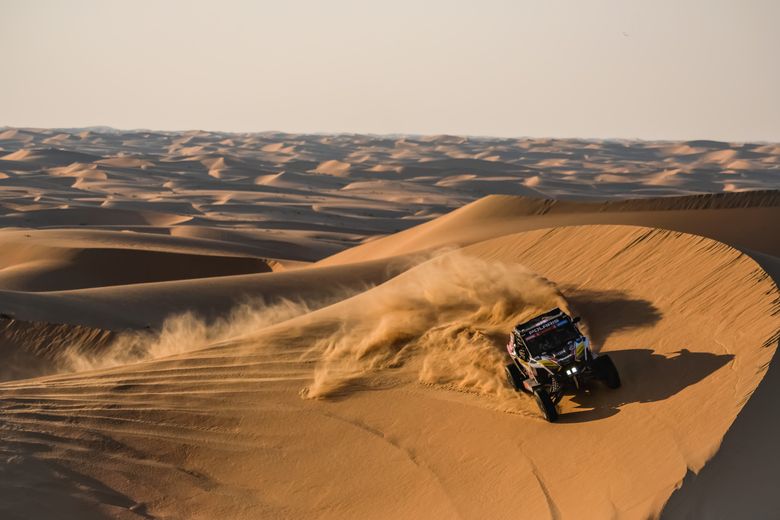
212 325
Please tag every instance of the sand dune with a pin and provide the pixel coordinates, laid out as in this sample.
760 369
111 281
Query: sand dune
731 220
667 338
56 268
48 156
207 325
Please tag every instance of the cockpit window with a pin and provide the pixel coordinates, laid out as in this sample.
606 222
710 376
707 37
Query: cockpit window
550 339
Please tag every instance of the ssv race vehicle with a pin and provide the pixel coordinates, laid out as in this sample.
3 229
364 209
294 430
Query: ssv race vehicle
550 355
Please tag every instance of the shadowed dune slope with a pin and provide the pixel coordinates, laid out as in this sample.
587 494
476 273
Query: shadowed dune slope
185 240
223 431
30 349
144 305
54 269
72 217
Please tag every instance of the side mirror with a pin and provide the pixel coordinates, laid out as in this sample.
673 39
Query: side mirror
576 320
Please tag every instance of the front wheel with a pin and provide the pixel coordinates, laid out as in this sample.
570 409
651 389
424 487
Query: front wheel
514 376
546 404
606 371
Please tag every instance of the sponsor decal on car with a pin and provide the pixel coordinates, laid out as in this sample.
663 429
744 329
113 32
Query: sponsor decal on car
544 328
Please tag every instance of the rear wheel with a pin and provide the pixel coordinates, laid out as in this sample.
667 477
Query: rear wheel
514 376
606 371
546 404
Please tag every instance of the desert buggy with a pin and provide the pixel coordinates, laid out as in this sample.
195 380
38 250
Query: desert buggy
550 354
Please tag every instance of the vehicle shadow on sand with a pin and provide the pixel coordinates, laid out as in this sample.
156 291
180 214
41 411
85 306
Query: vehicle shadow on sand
606 312
647 377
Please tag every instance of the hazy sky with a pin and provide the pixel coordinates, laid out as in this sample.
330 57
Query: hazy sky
648 69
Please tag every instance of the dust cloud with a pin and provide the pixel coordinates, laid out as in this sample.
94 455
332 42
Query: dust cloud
448 318
185 332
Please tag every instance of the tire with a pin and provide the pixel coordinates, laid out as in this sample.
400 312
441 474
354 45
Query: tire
514 376
606 371
546 404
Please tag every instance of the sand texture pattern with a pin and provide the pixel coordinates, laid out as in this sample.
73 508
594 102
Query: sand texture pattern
207 325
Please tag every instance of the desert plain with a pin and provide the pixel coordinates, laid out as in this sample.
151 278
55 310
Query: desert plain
216 325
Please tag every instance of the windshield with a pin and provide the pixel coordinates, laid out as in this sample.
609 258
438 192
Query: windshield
550 339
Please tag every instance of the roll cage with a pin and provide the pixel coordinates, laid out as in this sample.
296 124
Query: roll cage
544 333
